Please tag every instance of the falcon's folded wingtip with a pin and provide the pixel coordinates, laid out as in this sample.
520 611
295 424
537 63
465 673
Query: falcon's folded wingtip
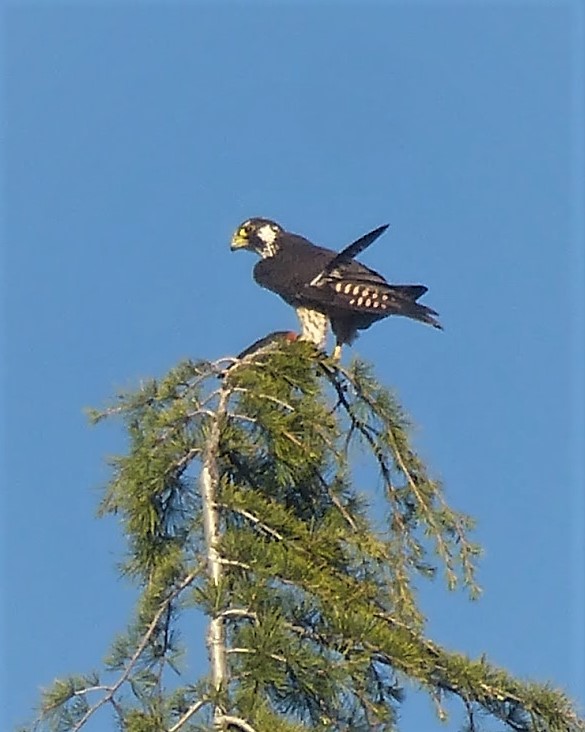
348 253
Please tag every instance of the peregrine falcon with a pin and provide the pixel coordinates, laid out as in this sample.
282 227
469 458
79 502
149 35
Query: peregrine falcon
327 287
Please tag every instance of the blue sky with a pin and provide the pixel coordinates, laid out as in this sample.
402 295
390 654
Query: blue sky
138 136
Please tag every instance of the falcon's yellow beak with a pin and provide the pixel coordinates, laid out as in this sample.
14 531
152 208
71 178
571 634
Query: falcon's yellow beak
239 239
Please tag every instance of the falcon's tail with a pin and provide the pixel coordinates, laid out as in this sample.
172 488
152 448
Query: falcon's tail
405 301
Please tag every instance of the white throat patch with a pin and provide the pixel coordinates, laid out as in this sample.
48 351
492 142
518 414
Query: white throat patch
267 236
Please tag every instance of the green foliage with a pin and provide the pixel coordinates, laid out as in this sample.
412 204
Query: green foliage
314 597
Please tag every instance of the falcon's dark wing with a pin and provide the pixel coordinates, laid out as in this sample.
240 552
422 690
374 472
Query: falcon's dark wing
297 263
349 253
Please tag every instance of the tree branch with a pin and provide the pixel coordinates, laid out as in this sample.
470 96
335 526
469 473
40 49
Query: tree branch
209 481
193 709
237 722
137 653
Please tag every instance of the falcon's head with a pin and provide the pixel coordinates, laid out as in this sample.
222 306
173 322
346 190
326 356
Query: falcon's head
257 235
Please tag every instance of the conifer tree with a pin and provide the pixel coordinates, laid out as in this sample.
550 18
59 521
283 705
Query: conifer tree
239 500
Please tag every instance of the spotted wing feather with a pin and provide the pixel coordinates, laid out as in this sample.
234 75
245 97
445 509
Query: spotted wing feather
366 294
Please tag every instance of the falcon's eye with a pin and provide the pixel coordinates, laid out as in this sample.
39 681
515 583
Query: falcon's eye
245 230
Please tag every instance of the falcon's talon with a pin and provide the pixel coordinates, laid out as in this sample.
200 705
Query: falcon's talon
327 287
